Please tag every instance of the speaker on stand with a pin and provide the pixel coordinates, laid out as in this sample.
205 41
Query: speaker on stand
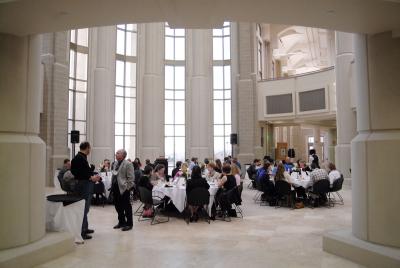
234 140
74 140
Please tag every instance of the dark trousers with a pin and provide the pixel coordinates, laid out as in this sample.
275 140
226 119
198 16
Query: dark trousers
84 189
123 206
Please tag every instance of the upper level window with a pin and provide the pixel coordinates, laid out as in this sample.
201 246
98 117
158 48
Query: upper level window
125 89
78 84
175 84
222 91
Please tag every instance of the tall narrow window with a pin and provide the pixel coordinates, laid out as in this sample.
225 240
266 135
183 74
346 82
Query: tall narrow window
78 84
174 95
125 89
222 91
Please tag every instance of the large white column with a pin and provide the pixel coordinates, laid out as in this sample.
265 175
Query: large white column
22 152
375 238
375 150
53 123
151 91
246 92
345 117
199 97
101 93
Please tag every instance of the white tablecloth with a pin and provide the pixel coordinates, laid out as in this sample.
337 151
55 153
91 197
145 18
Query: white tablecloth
68 218
302 180
177 193
106 179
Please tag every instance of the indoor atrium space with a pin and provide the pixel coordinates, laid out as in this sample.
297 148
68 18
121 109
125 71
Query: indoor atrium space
214 133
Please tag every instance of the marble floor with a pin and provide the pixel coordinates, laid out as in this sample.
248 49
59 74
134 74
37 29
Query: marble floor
266 237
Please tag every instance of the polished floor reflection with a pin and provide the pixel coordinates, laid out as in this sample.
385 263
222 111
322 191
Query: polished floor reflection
266 237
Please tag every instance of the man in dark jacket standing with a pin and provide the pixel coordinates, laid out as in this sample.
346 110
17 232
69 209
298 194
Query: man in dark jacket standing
83 172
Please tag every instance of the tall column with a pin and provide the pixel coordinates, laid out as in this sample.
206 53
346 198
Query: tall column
246 91
199 119
101 93
22 152
53 120
375 237
330 144
375 179
345 117
151 91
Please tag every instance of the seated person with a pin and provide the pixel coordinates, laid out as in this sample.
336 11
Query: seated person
226 183
144 181
317 173
176 169
105 166
183 172
333 173
196 181
282 174
212 174
288 165
65 168
159 174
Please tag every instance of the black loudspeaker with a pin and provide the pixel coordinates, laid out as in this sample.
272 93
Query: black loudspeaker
233 138
74 136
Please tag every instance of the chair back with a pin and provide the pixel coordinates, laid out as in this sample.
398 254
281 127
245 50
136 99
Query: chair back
259 186
233 196
282 188
145 195
321 186
199 196
337 184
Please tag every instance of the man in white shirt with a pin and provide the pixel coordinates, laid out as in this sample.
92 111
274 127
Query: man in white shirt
333 173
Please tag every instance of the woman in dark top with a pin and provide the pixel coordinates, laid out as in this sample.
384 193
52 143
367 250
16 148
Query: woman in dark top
196 181
176 169
144 180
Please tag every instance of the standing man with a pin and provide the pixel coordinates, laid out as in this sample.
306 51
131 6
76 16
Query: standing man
122 181
83 172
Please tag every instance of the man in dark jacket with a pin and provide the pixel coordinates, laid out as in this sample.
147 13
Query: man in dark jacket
83 172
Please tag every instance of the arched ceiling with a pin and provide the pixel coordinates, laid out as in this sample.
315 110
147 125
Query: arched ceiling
24 17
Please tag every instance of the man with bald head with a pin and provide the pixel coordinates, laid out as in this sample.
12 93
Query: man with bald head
122 181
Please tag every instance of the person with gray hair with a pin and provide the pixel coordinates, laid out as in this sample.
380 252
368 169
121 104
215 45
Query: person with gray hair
122 181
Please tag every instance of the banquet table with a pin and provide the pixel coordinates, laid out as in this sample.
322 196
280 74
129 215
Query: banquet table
177 194
302 179
65 218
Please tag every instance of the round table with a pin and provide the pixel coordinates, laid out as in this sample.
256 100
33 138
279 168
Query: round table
177 194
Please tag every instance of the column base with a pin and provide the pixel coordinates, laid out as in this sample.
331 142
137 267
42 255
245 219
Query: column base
51 246
344 244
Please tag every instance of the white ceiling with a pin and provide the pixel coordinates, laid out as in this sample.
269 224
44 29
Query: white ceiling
23 17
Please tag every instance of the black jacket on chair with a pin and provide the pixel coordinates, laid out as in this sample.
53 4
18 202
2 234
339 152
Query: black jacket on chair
196 183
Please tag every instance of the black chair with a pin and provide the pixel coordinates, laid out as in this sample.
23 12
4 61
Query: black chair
199 197
235 199
140 208
66 199
318 194
147 197
99 191
336 187
260 191
283 192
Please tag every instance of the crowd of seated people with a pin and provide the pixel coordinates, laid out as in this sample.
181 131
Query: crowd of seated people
281 170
